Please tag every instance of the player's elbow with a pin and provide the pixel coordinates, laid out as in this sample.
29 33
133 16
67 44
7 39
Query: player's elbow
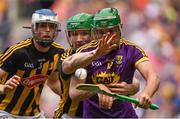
54 86
157 82
72 94
136 86
67 67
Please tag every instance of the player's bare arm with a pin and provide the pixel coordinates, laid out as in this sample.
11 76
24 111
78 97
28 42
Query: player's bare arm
78 60
54 83
124 88
152 82
105 101
76 94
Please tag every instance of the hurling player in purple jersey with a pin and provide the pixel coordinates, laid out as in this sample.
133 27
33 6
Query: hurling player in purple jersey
79 34
116 66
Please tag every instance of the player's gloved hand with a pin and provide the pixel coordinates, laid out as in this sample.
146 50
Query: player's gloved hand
144 101
11 84
105 101
105 45
123 88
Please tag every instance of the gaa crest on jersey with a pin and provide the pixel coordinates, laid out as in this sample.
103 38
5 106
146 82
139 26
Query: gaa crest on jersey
105 78
118 60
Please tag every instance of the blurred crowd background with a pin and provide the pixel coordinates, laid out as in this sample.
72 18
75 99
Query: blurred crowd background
152 24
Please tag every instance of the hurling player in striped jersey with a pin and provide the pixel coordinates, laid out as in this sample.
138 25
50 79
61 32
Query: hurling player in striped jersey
25 66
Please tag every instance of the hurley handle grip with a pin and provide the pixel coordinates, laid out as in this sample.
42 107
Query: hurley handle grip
135 101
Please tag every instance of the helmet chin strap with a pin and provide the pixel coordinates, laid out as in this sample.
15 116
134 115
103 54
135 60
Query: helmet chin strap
44 43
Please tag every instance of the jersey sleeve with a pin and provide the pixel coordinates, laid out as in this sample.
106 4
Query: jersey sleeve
139 55
88 47
68 53
8 61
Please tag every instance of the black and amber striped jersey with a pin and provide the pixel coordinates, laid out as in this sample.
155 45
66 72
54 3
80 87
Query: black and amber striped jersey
25 61
66 105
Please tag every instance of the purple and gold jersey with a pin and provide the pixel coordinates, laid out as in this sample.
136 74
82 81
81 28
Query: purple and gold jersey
116 66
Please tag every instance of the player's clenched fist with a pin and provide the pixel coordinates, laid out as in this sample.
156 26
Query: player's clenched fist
124 88
105 101
144 101
11 84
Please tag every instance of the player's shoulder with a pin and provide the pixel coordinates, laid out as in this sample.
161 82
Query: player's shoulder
129 43
57 45
93 44
16 49
22 43
67 53
132 47
70 50
18 46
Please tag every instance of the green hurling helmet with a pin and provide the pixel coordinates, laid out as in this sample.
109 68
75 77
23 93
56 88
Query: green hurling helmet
80 21
79 28
107 17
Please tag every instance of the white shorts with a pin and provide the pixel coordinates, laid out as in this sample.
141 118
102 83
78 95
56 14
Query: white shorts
6 115
65 116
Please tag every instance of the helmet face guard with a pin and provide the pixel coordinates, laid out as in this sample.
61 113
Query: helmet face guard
77 38
44 18
99 32
107 20
79 29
